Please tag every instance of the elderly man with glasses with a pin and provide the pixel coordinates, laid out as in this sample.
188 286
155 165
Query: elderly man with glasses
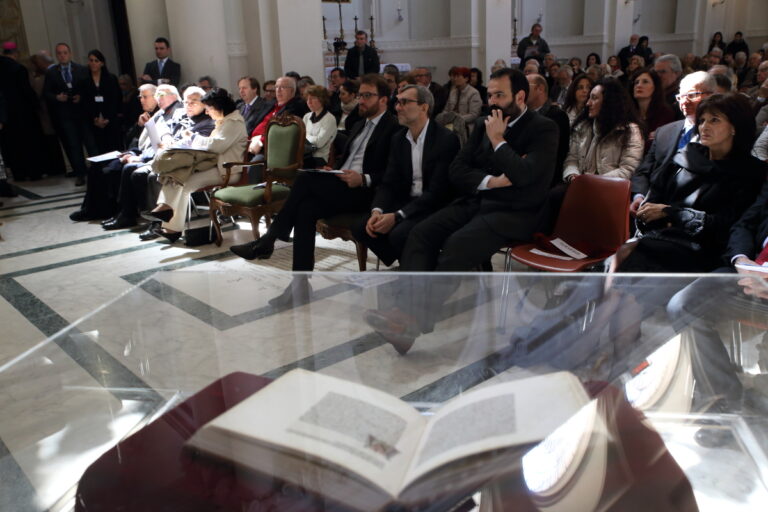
286 101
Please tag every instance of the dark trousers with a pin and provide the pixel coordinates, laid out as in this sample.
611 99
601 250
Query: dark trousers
700 306
313 197
146 188
387 247
134 182
100 201
72 133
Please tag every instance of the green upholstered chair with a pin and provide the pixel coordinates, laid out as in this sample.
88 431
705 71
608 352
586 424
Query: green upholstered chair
283 155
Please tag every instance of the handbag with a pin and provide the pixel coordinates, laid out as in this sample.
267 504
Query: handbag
178 165
195 237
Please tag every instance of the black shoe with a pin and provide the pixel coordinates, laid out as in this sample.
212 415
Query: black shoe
260 249
109 220
298 293
151 232
171 237
79 181
6 190
79 216
162 215
119 223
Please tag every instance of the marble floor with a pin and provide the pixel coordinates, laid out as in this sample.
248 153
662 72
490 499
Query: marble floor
101 332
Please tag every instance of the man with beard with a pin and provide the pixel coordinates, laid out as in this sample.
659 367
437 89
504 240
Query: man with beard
503 172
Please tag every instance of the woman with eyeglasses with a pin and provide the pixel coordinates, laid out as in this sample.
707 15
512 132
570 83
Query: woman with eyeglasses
648 96
685 220
102 102
606 137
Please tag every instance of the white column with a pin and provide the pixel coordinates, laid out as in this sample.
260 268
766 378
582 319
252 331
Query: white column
622 23
300 36
199 38
237 50
497 32
147 20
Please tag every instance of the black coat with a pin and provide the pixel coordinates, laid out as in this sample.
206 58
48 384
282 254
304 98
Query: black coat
663 148
370 61
705 197
528 160
751 230
440 147
377 149
54 85
254 113
560 118
111 98
171 71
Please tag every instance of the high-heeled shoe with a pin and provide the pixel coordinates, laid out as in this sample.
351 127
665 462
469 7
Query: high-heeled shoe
163 215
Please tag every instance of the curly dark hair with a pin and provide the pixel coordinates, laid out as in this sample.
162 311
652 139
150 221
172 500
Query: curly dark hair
658 106
570 94
737 109
219 99
596 56
617 111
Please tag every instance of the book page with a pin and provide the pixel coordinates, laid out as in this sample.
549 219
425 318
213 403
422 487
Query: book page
364 430
503 415
152 131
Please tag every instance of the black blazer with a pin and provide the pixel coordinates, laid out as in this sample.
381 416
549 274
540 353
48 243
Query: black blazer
370 61
376 151
528 159
394 193
254 114
440 94
751 230
706 198
171 71
560 118
663 148
54 84
109 91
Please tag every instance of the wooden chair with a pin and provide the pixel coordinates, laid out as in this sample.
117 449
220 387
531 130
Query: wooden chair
283 156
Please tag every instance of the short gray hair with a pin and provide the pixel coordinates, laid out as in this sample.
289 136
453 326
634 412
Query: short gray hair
716 50
290 79
423 96
193 89
169 89
673 61
704 80
568 69
146 87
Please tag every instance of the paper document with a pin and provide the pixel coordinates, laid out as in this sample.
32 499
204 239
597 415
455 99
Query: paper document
752 268
105 157
550 255
156 131
322 171
568 249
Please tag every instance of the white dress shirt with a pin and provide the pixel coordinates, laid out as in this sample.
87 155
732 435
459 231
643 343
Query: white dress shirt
354 161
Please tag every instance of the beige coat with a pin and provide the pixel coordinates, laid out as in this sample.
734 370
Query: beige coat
608 157
229 140
470 103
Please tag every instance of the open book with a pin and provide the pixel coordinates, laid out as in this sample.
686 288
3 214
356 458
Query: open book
367 449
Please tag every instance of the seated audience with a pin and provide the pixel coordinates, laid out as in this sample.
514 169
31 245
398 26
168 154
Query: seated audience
391 75
288 100
423 77
673 136
670 70
748 77
476 81
250 103
724 84
349 111
648 97
335 79
575 64
135 180
576 97
760 150
270 90
531 67
592 59
320 127
315 196
228 140
463 98
415 183
538 102
206 83
644 51
635 63
606 138
563 81
595 72
693 201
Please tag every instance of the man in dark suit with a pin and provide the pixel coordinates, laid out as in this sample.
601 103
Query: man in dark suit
361 58
250 104
62 90
315 196
423 77
712 300
673 136
503 172
538 100
162 70
416 182
629 51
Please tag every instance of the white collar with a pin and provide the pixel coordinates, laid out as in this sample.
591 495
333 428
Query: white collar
420 139
512 122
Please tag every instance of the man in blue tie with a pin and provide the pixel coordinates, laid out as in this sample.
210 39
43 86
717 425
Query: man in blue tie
673 136
62 89
164 69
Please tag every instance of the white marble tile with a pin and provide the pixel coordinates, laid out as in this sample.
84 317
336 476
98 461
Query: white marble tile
18 334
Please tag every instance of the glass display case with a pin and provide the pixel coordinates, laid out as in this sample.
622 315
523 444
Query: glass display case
670 407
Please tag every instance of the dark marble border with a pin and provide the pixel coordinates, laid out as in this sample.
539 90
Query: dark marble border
25 193
46 200
21 214
35 250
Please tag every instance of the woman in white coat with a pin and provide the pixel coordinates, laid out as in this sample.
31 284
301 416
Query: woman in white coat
228 140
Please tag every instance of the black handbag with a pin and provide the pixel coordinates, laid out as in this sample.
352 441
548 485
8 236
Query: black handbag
195 237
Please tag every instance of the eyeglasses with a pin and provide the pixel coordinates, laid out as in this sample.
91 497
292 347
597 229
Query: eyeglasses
691 96
367 95
193 102
283 87
403 102
269 90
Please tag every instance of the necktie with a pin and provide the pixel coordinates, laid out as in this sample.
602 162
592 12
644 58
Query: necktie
361 64
67 75
685 138
246 109
763 256
160 65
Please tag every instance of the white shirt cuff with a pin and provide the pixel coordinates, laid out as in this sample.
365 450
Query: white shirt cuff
377 210
402 213
367 178
641 196
499 145
484 184
733 260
